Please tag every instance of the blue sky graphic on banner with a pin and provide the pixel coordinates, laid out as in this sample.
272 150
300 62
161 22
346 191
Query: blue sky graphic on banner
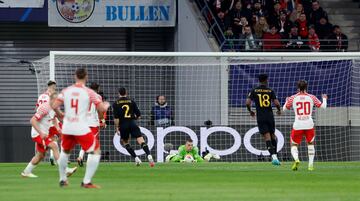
330 77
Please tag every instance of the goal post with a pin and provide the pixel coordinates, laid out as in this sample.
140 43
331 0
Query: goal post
202 86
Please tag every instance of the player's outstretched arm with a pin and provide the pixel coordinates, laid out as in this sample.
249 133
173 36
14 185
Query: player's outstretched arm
324 101
102 107
35 124
278 106
248 106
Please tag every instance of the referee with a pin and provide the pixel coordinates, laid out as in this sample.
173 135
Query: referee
263 96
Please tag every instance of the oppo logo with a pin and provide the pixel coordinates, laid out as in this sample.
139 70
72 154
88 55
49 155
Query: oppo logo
204 134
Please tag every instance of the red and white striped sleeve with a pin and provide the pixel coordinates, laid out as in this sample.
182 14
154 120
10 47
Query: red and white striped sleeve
317 102
42 111
94 97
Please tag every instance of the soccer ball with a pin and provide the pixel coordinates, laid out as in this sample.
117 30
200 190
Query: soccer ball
75 7
188 158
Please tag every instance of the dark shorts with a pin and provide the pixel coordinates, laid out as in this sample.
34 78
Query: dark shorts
266 127
129 128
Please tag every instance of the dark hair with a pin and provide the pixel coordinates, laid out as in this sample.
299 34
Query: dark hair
81 73
302 85
122 91
51 82
336 27
263 77
94 86
189 140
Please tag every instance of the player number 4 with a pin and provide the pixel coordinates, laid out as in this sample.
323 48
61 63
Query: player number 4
75 104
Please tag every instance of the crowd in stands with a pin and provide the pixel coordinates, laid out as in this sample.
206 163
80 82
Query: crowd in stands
275 25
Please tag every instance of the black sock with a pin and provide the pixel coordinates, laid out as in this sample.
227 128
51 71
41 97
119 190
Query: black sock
145 147
270 147
130 150
274 143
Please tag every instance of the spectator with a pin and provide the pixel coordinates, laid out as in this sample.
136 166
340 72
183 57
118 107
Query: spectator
295 42
258 9
314 43
302 25
317 13
261 27
221 5
337 40
161 113
222 21
287 5
274 16
284 25
248 40
272 40
323 28
239 12
307 4
295 14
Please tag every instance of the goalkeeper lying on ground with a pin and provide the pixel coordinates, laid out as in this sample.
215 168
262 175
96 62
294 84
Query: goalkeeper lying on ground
188 149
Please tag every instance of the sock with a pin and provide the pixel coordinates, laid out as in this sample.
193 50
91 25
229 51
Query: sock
51 154
62 162
29 168
145 147
311 153
274 143
295 152
81 154
270 147
92 164
130 150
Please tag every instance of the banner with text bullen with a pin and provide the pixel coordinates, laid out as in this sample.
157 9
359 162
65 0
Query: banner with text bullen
112 13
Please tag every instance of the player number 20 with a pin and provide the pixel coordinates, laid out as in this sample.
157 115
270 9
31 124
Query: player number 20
127 108
264 100
303 108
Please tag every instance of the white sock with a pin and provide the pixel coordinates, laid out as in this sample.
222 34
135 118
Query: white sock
81 154
311 153
62 162
91 166
51 154
295 152
274 157
29 168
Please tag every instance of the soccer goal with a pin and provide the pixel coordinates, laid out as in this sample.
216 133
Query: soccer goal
206 94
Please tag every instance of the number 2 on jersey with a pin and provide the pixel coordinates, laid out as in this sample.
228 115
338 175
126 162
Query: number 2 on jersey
303 108
75 104
127 108
264 100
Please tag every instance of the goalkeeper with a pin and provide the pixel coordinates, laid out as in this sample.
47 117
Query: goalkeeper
189 149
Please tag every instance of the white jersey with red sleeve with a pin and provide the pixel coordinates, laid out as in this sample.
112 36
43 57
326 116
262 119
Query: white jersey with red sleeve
93 114
303 104
77 99
43 115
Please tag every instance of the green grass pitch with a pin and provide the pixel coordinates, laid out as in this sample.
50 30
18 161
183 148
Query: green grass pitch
205 182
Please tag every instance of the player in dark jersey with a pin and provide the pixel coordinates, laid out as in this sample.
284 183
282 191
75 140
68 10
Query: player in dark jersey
263 96
126 112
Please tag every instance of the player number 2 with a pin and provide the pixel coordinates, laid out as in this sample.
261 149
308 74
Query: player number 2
75 104
127 108
264 100
303 108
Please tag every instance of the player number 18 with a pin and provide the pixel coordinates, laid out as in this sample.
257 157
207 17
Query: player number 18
264 100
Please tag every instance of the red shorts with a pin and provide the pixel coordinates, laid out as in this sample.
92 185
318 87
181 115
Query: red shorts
95 132
53 131
87 142
297 135
40 143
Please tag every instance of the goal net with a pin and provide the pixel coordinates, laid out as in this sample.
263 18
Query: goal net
206 92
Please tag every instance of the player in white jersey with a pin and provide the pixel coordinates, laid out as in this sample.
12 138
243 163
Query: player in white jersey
77 100
54 128
96 121
41 123
303 104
